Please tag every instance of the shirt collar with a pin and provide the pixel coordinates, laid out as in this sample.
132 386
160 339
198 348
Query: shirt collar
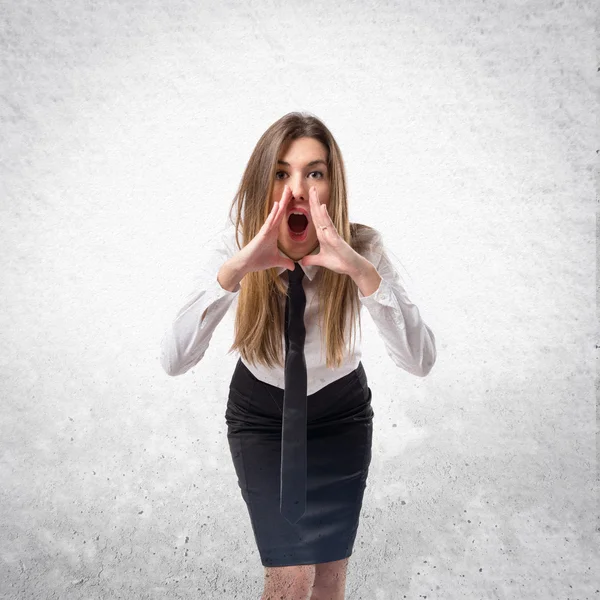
309 270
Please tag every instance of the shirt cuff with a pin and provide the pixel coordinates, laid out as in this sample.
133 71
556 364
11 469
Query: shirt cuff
384 294
216 297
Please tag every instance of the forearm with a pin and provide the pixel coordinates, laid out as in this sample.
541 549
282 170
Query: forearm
231 273
408 340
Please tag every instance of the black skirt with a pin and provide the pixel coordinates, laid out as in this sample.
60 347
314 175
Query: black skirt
339 439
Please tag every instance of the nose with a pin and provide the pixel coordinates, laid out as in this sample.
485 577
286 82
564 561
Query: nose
299 188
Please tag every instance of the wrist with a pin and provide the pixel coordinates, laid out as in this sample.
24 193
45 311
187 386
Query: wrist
239 264
231 273
366 278
359 267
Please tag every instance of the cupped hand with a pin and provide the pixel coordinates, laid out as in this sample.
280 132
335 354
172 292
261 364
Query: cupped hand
334 252
262 252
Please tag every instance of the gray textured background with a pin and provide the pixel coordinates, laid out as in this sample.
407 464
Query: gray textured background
467 128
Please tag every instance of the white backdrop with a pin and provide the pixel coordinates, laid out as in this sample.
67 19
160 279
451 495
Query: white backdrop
467 130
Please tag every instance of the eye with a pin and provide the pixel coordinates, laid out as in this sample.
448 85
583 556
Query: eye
283 173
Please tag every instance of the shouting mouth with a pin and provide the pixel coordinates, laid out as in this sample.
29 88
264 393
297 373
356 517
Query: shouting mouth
298 227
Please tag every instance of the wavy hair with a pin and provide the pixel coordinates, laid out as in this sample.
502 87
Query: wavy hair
259 321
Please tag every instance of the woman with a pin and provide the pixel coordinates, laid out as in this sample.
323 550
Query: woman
300 281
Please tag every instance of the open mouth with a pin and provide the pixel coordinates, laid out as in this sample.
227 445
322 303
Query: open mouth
298 227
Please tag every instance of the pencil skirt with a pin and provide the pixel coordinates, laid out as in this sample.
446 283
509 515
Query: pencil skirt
339 440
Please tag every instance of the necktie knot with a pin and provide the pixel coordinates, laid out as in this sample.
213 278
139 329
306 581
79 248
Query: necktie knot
296 275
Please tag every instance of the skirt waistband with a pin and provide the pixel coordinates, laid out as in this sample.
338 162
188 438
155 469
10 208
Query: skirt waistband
254 401
243 377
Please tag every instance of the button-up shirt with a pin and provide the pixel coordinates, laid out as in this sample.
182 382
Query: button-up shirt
409 342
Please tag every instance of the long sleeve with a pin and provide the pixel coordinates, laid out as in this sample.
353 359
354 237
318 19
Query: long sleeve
408 340
186 339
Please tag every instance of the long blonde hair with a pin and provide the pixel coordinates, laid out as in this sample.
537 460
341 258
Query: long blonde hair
259 322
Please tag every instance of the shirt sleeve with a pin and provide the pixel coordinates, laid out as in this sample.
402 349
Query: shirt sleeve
187 337
409 342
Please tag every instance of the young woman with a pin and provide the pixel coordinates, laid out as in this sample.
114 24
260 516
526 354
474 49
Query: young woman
300 281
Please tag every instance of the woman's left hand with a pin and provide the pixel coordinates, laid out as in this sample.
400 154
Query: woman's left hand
334 253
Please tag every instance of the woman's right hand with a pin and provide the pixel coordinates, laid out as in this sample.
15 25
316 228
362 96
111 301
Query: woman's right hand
262 251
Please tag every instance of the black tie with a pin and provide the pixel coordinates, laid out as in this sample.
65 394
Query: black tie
293 431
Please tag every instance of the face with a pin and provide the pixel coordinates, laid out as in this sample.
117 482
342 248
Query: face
297 168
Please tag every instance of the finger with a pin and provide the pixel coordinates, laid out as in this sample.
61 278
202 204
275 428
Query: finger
326 218
310 259
287 264
282 205
272 218
314 209
271 215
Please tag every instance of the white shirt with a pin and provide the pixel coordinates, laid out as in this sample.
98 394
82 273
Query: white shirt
408 341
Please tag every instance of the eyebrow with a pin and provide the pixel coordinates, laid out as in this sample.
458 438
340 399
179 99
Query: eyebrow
310 164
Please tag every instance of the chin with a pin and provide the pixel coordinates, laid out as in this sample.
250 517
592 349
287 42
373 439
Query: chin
294 255
298 251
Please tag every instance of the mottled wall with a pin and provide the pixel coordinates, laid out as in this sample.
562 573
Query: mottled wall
468 130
